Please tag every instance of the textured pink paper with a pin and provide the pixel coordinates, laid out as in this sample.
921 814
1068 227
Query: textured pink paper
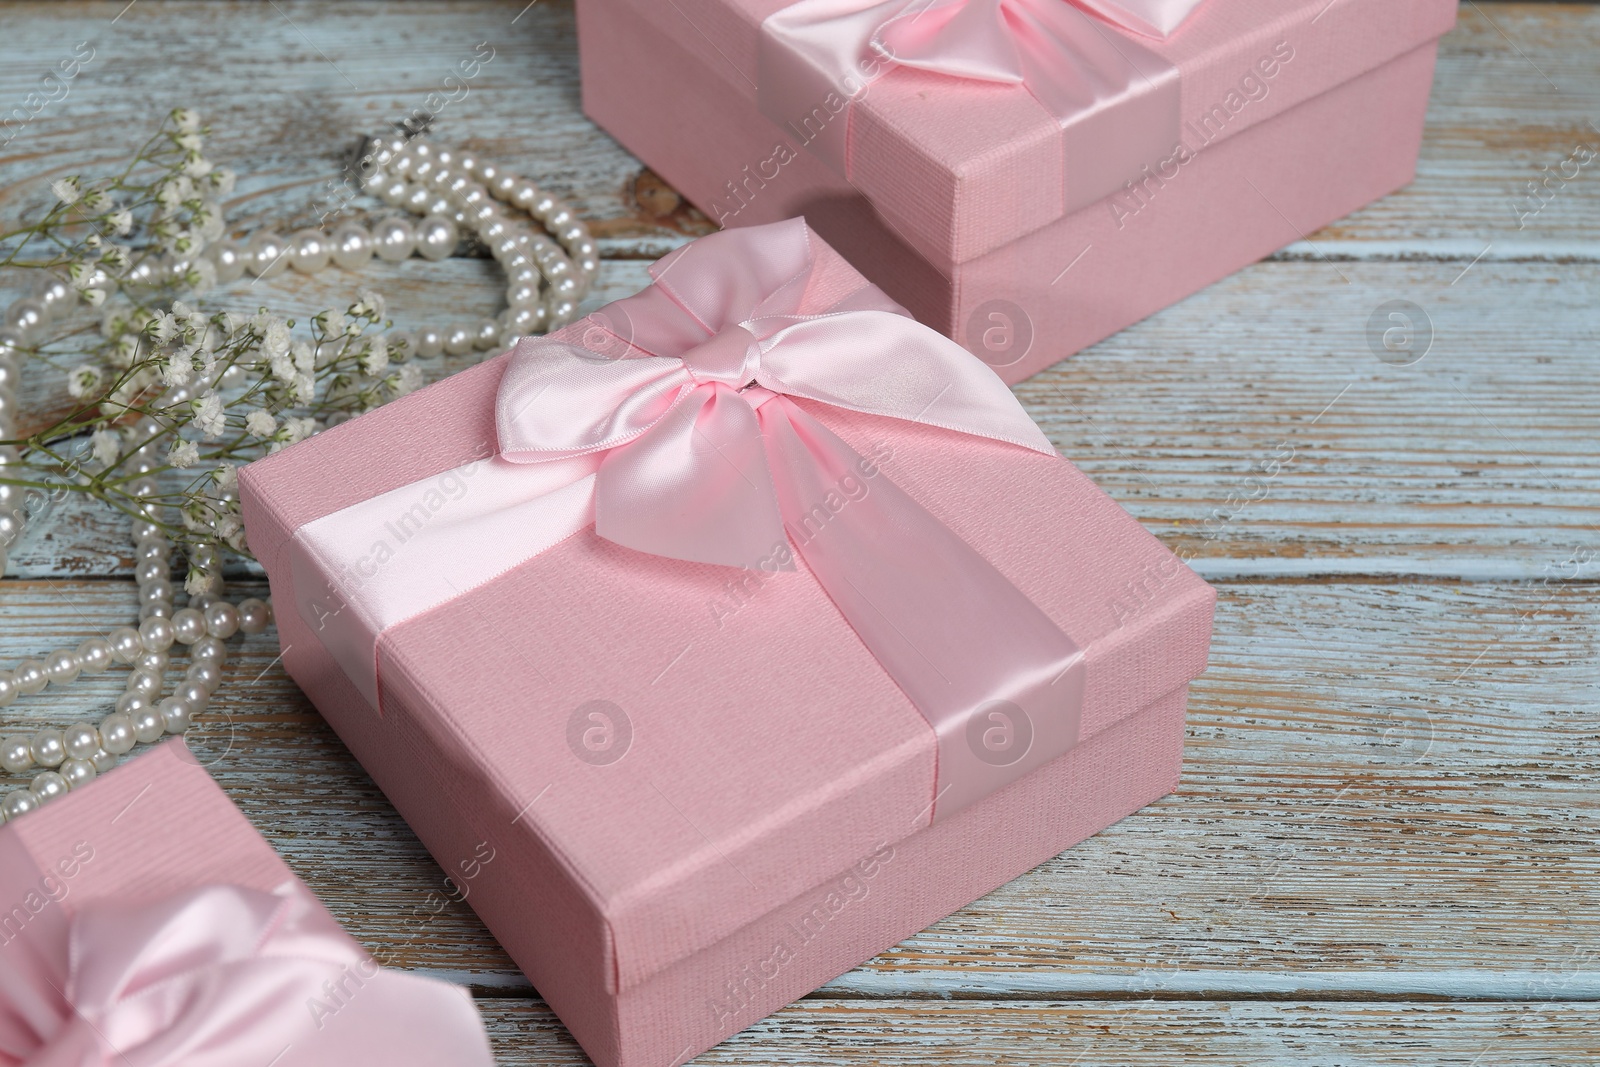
1340 125
769 752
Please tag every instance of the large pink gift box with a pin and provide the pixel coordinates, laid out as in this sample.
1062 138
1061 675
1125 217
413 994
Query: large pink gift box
706 796
145 923
1252 124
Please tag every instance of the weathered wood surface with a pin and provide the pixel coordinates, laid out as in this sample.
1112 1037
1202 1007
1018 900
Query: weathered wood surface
1383 848
1446 467
1390 789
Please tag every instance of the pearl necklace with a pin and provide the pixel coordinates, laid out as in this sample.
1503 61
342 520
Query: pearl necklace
451 193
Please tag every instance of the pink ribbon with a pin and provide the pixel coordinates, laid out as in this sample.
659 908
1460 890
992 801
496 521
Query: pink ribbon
1114 99
678 428
218 977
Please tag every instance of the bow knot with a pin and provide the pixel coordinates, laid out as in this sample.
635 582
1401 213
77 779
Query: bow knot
731 357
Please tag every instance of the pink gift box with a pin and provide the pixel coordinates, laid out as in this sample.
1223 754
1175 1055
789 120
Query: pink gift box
1291 113
87 976
767 826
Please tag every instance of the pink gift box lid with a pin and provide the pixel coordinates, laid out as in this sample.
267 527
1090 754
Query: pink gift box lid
769 750
960 168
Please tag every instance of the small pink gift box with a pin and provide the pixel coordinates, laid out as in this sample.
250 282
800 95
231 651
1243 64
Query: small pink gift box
144 923
1026 219
711 788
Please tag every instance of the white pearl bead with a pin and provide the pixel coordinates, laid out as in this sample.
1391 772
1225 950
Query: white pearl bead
565 286
309 251
159 610
503 186
195 695
8 688
148 570
430 342
459 341
78 772
95 655
254 615
522 295
103 761
266 254
561 313
394 190
436 237
222 619
26 318
176 715
209 650
151 592
543 205
148 725
351 246
126 645
80 740
188 626
116 734
48 786
130 703
525 195
146 683
393 239
488 334
589 265
154 662
416 198
62 667
440 205
16 754
156 634
18 803
47 748
204 673
524 321
30 677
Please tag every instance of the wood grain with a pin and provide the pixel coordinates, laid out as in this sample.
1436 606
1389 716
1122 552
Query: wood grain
1382 850
1391 789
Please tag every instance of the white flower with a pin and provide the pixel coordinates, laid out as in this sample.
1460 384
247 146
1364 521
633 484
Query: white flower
260 423
82 381
94 200
121 222
164 327
409 380
94 297
196 582
65 190
210 416
332 322
186 119
184 454
179 369
376 359
189 142
226 476
233 322
114 258
124 351
305 357
106 446
222 179
167 194
275 338
299 429
368 304
236 540
305 388
282 368
202 276
183 312
197 165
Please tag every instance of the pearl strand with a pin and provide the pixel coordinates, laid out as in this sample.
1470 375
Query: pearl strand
451 193
65 759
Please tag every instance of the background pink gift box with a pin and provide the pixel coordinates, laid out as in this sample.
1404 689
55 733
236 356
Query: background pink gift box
766 826
1294 113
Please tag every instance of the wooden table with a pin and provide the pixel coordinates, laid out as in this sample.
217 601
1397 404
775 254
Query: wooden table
1384 849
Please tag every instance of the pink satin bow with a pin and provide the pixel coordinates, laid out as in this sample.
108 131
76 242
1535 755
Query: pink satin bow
219 977
676 425
1115 100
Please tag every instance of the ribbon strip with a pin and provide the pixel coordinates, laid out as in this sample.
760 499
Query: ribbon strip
1114 99
675 430
216 977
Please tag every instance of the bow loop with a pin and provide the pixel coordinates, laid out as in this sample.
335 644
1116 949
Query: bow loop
223 975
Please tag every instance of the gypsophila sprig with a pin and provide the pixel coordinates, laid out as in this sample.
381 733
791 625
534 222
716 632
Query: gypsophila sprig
168 396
